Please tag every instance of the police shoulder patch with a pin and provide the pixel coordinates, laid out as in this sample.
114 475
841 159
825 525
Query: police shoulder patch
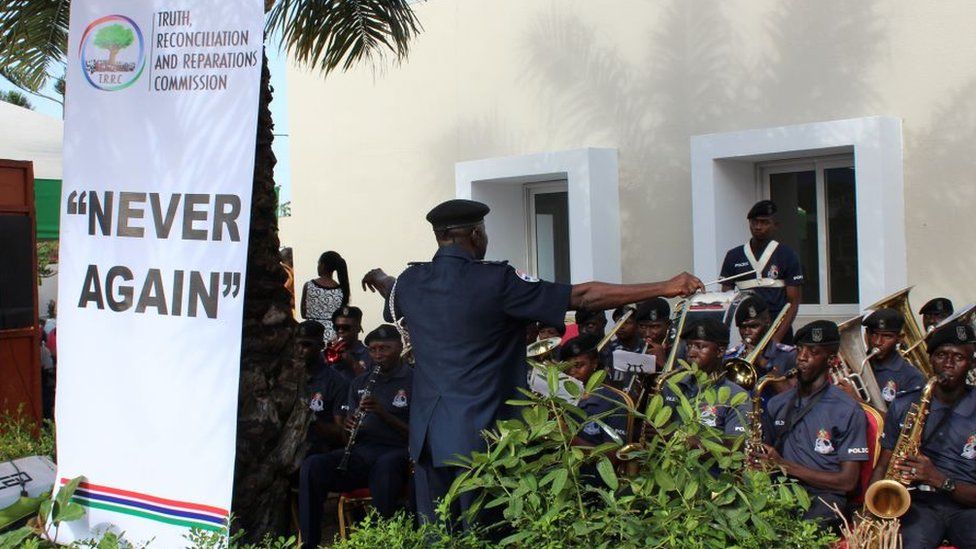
525 276
785 348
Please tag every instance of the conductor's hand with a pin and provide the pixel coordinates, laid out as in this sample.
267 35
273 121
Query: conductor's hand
374 280
683 285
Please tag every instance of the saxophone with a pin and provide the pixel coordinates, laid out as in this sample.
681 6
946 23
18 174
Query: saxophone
754 442
888 498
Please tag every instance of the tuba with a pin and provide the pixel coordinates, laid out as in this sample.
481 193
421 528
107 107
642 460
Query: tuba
912 346
854 364
742 371
888 498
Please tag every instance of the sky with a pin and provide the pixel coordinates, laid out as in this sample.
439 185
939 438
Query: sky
279 111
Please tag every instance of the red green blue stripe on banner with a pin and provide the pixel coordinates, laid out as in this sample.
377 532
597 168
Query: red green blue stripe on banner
168 511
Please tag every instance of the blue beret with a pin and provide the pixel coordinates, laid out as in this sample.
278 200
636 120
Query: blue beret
579 345
954 333
750 308
884 320
937 306
653 310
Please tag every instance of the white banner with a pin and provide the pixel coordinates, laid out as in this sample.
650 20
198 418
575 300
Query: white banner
159 137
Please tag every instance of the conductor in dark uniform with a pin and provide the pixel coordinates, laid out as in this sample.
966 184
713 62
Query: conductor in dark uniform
466 319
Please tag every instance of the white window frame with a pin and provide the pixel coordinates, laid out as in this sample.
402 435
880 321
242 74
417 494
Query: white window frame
817 166
531 245
723 187
592 177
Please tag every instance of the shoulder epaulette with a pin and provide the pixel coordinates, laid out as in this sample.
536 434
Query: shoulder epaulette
784 347
415 263
488 262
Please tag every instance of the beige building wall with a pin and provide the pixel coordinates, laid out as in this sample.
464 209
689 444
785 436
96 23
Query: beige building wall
374 149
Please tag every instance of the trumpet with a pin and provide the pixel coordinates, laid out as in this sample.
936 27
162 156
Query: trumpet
889 498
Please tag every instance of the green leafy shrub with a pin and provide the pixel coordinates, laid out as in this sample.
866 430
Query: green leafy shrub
20 436
399 532
691 489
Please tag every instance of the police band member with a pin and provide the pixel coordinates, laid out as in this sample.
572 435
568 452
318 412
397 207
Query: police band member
892 371
816 432
591 322
581 354
348 324
653 326
944 473
753 320
379 458
626 339
481 308
707 340
778 275
326 389
935 311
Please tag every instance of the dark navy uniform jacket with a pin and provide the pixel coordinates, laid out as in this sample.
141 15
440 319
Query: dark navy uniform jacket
952 448
833 431
780 358
393 392
467 321
783 265
327 393
721 416
603 400
896 375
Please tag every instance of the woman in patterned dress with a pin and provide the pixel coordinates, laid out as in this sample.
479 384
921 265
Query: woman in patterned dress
324 295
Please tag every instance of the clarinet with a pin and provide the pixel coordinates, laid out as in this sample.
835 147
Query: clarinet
358 418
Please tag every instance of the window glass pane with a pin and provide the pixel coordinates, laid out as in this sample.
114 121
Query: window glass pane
795 195
841 235
552 236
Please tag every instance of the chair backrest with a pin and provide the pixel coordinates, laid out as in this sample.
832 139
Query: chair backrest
629 401
875 429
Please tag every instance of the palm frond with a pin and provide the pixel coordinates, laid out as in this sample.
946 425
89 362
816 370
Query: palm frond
328 34
33 39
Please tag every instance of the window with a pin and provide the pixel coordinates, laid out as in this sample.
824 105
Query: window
547 215
818 205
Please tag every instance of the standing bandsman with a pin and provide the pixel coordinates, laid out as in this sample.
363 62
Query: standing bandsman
934 312
707 340
944 472
892 371
753 321
778 276
379 458
816 432
481 308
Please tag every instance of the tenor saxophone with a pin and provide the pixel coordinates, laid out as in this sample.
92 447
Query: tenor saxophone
889 498
754 442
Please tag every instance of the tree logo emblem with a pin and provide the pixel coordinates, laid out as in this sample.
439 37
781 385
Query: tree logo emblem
112 53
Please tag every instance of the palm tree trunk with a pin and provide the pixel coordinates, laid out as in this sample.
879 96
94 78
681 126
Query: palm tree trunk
272 419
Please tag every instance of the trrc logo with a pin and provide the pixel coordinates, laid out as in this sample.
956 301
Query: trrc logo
112 52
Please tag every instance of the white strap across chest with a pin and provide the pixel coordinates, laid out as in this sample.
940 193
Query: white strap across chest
760 265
